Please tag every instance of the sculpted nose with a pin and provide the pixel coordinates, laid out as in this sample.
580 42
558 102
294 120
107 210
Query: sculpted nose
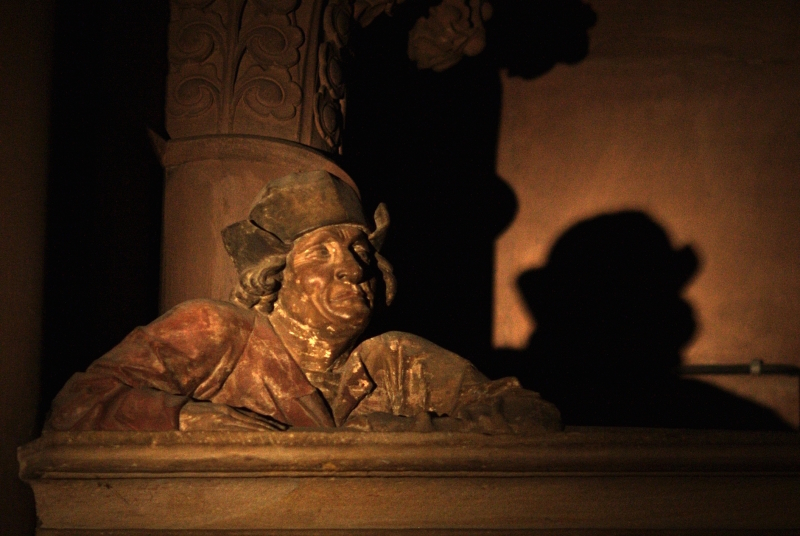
349 269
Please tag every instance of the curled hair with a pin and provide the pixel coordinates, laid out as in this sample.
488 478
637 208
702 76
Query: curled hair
258 286
389 281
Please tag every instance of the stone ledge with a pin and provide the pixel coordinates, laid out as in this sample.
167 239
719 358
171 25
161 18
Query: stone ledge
580 479
294 156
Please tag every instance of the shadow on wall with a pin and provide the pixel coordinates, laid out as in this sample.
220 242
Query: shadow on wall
425 143
611 324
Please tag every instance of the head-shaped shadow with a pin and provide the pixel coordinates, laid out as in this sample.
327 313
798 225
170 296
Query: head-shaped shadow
610 326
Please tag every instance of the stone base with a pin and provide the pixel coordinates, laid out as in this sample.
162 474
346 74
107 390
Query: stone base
606 481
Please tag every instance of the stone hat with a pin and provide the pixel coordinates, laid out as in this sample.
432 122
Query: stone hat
301 202
288 207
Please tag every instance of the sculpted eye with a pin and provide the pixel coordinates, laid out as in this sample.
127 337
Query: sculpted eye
317 252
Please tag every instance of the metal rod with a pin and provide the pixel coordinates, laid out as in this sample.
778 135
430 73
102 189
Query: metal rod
755 368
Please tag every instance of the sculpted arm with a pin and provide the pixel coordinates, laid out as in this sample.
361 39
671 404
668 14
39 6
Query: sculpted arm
152 379
421 386
115 395
502 406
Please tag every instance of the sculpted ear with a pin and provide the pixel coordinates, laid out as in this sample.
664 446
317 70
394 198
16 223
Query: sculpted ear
378 236
389 281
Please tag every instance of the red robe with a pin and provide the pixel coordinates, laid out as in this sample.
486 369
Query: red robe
216 351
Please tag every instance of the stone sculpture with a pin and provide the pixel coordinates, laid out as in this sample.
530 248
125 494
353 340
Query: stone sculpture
287 352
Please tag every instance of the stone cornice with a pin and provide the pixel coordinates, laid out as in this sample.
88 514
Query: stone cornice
82 454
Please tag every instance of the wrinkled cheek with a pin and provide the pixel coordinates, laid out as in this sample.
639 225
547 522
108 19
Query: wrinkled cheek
312 286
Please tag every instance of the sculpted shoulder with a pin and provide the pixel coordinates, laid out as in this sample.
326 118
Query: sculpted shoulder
213 310
414 376
205 319
394 352
397 337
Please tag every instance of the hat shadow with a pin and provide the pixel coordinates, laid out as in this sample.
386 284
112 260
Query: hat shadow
611 324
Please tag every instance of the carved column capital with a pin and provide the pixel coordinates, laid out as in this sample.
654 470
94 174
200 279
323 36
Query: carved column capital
268 68
273 68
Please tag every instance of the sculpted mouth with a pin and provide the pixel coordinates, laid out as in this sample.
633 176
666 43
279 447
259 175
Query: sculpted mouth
349 293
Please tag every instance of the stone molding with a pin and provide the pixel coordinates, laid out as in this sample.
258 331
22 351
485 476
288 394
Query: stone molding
609 479
294 157
597 450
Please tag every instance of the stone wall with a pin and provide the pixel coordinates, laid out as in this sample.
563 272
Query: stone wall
25 40
688 112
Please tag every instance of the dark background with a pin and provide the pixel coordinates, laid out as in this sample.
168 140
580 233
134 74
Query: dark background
105 184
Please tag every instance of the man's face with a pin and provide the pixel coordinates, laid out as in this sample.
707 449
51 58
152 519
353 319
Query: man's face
329 281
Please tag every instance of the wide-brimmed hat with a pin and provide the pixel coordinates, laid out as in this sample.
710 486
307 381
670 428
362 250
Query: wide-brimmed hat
291 206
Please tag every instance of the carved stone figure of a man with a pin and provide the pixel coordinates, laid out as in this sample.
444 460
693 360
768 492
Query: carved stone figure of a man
287 352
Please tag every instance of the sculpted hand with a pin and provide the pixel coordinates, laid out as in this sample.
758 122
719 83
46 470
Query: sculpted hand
386 422
211 417
479 417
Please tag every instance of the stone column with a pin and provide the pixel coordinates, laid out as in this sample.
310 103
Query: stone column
254 92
